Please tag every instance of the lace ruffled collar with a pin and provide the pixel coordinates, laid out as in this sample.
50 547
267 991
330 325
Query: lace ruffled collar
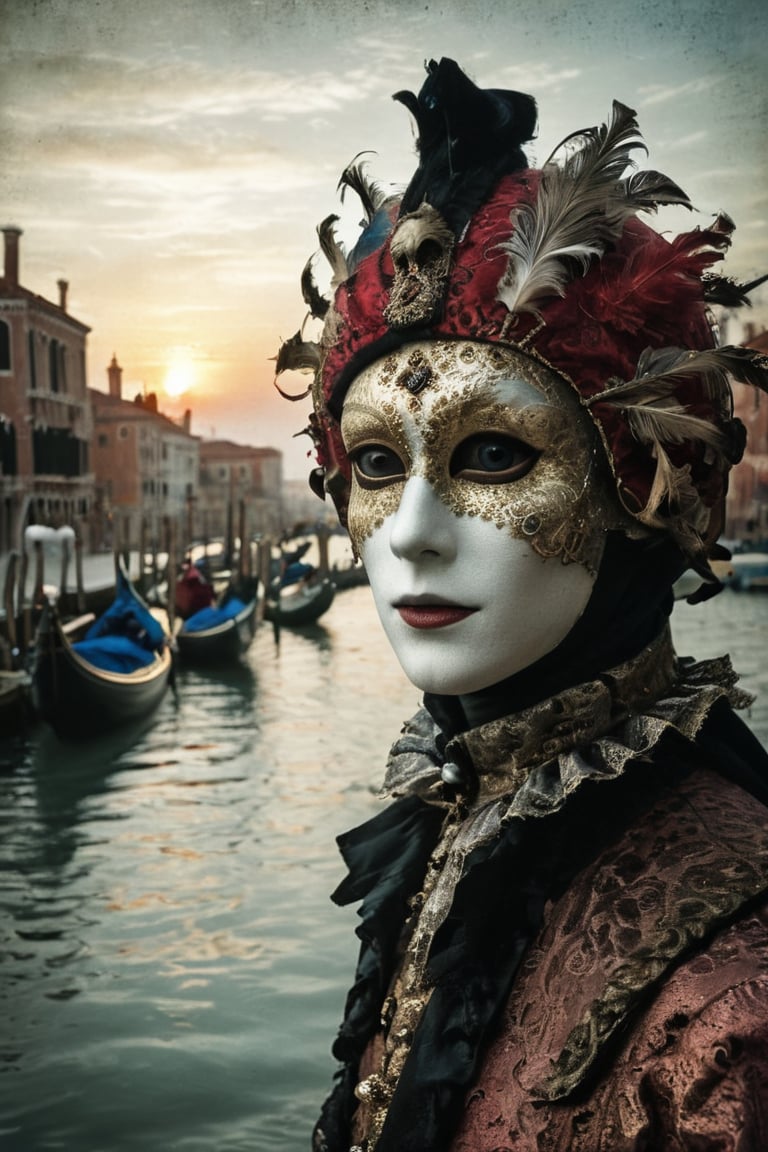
527 763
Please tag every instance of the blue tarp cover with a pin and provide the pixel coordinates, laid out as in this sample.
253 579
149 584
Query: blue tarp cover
212 617
296 572
127 616
125 637
114 653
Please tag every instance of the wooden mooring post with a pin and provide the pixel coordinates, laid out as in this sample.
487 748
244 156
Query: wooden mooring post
9 603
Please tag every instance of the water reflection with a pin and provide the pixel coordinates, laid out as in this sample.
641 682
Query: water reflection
66 773
317 633
235 683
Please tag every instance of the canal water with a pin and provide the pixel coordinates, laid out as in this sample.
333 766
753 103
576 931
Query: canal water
173 971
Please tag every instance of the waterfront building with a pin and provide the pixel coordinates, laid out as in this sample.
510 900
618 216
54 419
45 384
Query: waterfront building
232 475
302 511
45 417
146 467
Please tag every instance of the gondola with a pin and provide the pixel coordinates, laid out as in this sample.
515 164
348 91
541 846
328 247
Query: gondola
116 674
301 604
223 632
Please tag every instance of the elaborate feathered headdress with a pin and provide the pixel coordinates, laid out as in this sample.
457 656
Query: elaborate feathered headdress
556 264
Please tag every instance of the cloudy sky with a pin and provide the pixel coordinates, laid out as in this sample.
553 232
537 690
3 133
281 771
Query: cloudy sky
171 158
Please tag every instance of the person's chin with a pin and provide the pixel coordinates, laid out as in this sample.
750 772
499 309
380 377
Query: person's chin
447 683
444 673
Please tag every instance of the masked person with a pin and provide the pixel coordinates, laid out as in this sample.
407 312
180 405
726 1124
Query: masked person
522 417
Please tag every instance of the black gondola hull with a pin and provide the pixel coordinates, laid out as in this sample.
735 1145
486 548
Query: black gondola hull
304 606
78 699
224 643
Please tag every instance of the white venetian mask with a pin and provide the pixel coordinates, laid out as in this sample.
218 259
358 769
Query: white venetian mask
475 506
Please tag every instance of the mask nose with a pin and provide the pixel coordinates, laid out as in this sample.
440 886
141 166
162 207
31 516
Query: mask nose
423 525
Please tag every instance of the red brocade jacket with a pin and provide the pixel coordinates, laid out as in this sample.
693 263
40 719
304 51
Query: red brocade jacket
610 1041
633 1013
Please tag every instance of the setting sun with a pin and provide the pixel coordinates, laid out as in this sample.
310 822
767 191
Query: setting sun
181 373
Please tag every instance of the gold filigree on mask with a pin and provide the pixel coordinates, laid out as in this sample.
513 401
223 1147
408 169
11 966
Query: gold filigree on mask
562 505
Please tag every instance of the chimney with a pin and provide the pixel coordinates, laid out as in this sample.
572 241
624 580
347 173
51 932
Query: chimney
187 421
63 287
11 235
115 377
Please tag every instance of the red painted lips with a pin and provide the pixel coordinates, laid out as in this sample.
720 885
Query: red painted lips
432 615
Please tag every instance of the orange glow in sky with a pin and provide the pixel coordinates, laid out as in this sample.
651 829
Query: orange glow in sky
181 374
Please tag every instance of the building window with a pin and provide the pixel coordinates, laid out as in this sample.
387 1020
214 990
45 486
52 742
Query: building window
5 347
122 432
103 440
7 447
56 452
62 367
32 362
53 365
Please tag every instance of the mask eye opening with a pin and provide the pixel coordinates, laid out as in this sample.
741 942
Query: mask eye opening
376 465
492 458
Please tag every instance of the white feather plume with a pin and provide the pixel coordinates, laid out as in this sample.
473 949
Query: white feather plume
580 207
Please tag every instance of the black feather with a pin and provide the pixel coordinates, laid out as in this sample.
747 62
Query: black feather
469 138
378 207
370 194
313 298
728 292
750 287
724 290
